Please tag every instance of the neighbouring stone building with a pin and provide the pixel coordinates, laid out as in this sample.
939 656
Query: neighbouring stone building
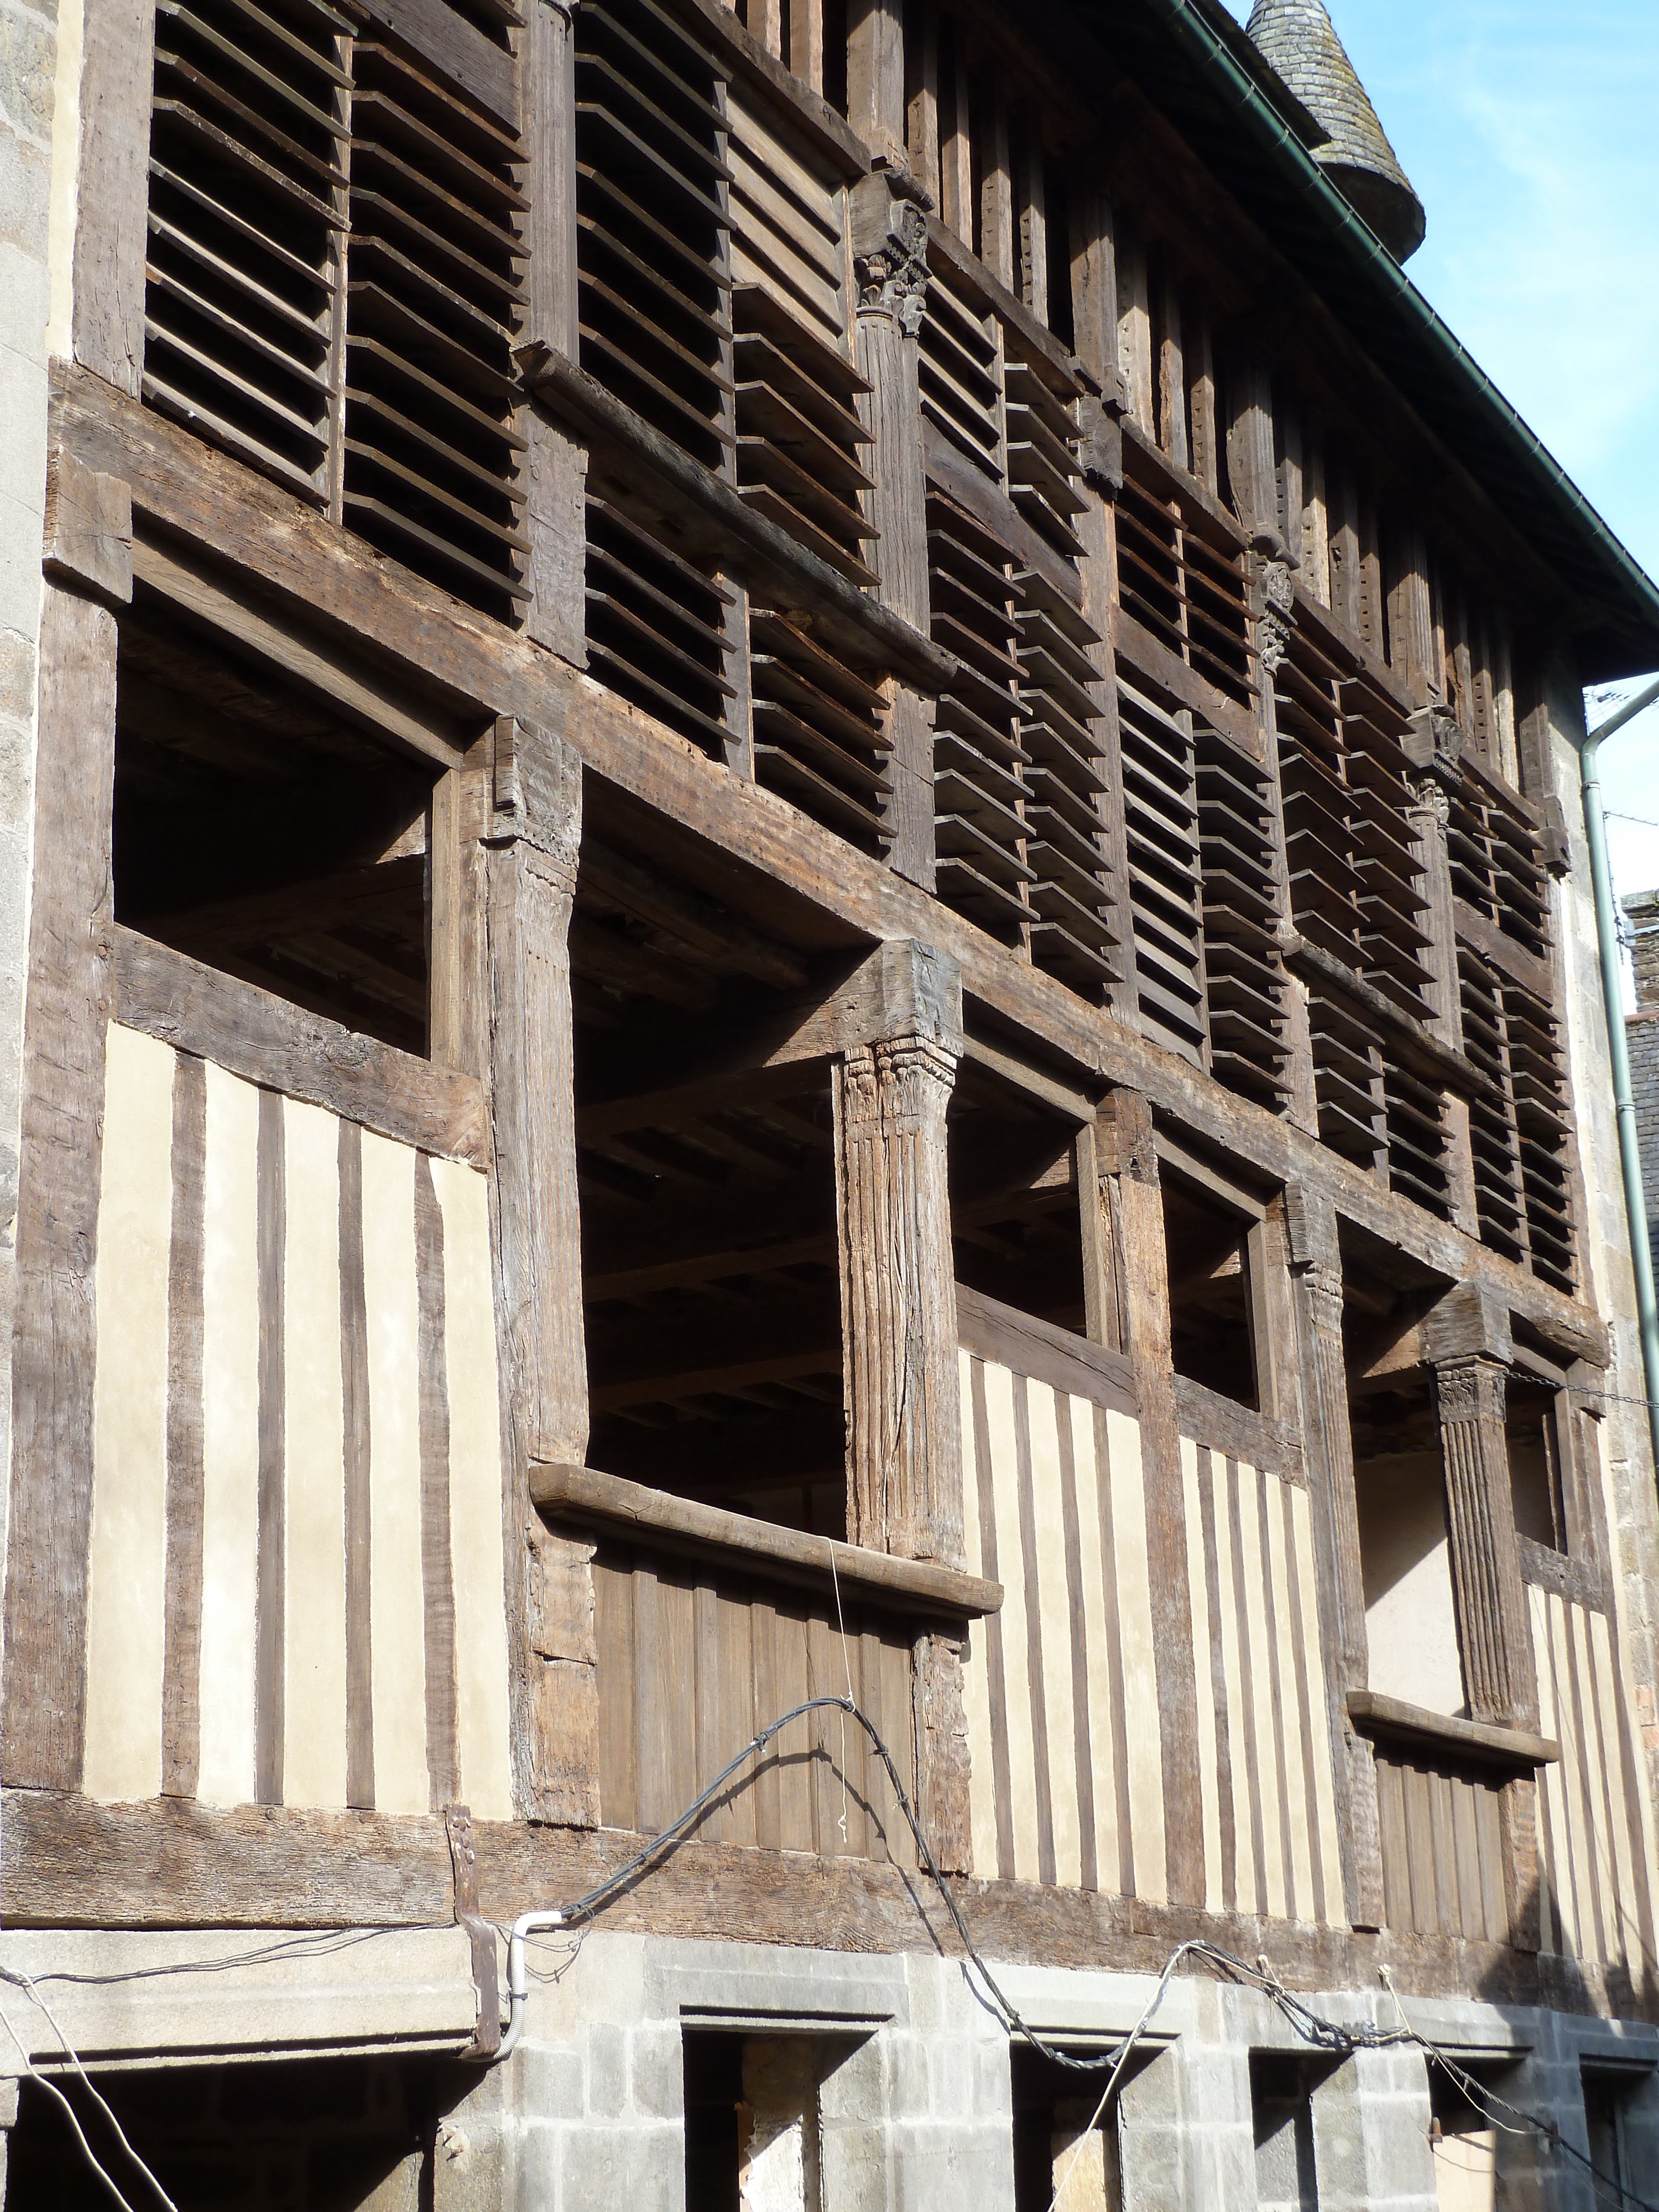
798 1020
1641 1040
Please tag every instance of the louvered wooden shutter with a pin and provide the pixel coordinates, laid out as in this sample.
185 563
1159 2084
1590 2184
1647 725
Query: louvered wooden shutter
656 626
432 307
652 290
332 277
1160 805
959 371
1519 1130
979 791
1354 893
1244 974
1183 580
248 136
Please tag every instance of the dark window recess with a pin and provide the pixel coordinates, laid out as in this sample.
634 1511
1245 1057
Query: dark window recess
1468 2145
711 1270
1531 1411
1015 1228
258 831
1281 2108
1212 1319
1061 2149
1617 2167
653 295
753 2117
314 2136
332 279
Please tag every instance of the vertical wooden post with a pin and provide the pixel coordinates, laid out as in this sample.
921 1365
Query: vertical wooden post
112 190
889 264
898 1280
875 77
996 185
1252 464
533 843
1171 375
1128 1158
1432 747
555 464
42 1729
1093 253
1411 620
922 117
1316 1269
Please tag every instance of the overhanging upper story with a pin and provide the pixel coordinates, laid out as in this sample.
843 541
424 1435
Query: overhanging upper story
798 783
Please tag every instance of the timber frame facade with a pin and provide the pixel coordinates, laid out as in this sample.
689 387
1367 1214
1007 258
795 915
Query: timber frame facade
805 920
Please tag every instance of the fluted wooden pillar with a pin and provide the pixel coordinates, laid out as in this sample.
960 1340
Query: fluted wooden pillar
898 1298
1466 1339
1317 1265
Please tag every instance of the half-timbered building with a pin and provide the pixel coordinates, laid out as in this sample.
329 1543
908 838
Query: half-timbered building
798 933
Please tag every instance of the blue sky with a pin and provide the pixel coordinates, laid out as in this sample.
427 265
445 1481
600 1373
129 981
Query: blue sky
1529 128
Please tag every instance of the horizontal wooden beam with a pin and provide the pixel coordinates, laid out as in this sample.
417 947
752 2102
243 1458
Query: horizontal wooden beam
347 677
1222 1424
262 534
733 1377
654 1519
264 1039
710 518
608 878
1037 1349
70 1863
1392 1719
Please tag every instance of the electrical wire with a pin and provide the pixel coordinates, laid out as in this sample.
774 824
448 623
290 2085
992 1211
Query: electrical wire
1340 2038
23 1982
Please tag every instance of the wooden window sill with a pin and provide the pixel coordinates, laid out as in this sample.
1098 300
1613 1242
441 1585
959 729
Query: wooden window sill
1373 1714
664 1523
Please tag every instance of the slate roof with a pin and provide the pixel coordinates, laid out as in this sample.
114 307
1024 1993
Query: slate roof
1299 39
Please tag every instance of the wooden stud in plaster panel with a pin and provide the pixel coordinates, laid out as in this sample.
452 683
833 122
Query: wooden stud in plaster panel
1315 1261
1127 1156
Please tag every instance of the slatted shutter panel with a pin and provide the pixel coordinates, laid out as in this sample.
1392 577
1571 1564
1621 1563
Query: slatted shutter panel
1354 894
786 237
655 626
1160 805
1183 580
818 738
246 222
651 218
959 371
980 791
1244 976
1521 1132
1074 931
332 280
433 303
801 446
1044 480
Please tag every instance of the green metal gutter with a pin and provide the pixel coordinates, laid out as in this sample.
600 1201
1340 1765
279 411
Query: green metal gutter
1630 1157
1231 83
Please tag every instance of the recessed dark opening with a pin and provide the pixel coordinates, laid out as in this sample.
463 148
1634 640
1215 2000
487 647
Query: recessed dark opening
1212 1331
1060 2141
1014 1221
259 830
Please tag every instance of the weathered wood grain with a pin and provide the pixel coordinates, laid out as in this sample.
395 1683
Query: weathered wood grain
57 1226
355 1407
111 190
265 1040
181 1723
437 1574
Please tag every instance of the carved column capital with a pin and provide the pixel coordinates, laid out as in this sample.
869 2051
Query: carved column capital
1430 800
1498 1678
889 247
1470 1389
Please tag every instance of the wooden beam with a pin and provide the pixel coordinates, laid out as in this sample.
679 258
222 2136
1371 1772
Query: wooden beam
1395 1720
54 1353
555 464
679 1524
263 534
266 1041
111 190
1127 1157
699 923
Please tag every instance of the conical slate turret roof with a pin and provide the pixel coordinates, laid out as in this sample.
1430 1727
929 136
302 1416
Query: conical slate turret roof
1299 39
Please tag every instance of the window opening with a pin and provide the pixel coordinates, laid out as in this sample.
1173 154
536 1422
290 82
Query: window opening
1055 2148
1212 1302
1532 1412
1281 2109
711 1271
1465 2142
313 2134
1404 1547
260 831
754 2119
1016 1231
1609 2093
